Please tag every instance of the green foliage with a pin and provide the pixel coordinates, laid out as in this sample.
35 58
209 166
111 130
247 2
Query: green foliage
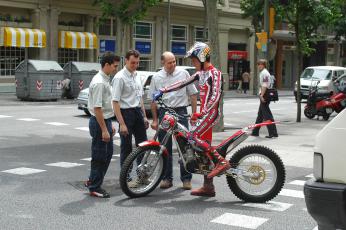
307 17
253 9
128 11
338 19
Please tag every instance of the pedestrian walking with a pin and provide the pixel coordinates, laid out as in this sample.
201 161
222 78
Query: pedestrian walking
246 81
264 112
178 101
128 105
100 124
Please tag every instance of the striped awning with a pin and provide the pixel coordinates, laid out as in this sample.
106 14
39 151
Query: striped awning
77 40
22 37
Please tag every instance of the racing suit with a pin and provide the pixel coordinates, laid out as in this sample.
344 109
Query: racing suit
210 84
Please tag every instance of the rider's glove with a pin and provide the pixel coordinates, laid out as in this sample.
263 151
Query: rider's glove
196 116
157 95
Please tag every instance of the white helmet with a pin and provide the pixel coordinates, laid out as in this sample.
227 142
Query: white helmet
199 50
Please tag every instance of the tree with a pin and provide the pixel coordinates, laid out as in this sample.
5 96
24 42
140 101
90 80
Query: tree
254 9
338 21
306 17
128 11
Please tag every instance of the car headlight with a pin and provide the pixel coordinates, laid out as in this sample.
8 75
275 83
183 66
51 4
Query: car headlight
318 166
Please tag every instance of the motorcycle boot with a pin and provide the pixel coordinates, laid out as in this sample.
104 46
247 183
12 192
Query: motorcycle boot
207 190
221 164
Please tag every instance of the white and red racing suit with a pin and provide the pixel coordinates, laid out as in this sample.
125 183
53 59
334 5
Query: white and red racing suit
210 84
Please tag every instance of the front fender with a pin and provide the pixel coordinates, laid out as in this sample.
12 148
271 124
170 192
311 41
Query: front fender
154 143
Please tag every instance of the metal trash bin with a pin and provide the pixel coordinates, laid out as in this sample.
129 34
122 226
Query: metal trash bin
38 80
80 74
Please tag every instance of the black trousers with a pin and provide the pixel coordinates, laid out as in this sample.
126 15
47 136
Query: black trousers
265 114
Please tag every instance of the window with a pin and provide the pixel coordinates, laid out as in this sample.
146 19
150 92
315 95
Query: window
199 34
143 30
144 64
67 55
179 33
10 57
105 27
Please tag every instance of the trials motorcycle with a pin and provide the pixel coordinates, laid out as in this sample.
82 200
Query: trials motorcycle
257 173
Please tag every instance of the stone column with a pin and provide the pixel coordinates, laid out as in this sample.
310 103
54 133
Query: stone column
54 33
89 27
42 23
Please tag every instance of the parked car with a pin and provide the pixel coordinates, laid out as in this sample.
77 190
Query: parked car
321 75
144 77
325 195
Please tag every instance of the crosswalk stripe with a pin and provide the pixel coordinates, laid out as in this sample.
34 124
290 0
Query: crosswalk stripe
239 220
4 116
310 176
116 142
64 164
23 171
297 182
83 128
291 193
56 123
89 159
27 119
271 205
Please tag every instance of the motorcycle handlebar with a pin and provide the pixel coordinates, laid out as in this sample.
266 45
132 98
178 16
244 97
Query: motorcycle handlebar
162 104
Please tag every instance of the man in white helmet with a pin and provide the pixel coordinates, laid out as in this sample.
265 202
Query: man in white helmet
210 84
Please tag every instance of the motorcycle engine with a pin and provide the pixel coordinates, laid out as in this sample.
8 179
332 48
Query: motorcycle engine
190 161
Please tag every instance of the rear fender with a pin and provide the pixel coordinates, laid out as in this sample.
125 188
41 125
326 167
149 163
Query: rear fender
154 143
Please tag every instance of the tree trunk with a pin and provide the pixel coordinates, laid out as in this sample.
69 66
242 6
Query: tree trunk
300 65
213 34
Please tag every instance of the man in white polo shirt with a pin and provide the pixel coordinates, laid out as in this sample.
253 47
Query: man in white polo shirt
100 124
128 105
177 100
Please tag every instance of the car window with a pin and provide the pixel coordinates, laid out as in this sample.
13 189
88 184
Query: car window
147 83
318 74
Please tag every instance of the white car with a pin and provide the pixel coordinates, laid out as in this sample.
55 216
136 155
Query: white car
325 195
321 75
145 78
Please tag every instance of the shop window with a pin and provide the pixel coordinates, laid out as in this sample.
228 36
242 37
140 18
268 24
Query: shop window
179 33
143 30
199 34
144 64
10 57
66 55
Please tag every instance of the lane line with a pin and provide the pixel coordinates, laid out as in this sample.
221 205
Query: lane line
5 116
239 220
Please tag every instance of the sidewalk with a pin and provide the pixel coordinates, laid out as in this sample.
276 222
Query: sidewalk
235 94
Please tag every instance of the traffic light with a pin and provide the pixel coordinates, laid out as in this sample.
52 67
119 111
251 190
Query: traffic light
271 21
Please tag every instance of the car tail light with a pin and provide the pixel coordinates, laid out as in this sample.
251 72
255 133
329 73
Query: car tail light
318 166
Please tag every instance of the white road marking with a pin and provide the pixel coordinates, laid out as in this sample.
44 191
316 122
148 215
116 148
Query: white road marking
23 171
116 155
83 128
239 220
227 124
27 119
5 116
56 123
89 159
315 228
292 193
246 111
64 164
271 205
116 142
117 135
298 182
310 176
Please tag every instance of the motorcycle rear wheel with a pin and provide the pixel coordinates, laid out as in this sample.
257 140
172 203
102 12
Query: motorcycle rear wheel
309 113
268 168
142 171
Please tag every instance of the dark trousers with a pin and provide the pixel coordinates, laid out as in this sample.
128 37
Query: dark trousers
168 175
101 153
245 86
265 114
134 121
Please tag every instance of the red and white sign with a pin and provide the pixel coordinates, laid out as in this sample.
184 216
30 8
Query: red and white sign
39 85
81 84
237 55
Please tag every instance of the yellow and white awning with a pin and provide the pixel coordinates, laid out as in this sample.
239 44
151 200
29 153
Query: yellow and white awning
77 40
22 37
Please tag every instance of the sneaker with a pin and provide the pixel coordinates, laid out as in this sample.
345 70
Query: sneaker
165 184
206 191
187 185
100 193
220 167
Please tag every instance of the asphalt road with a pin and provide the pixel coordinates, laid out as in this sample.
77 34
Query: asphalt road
45 154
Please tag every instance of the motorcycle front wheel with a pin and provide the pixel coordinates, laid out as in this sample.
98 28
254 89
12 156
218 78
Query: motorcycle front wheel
142 171
263 174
